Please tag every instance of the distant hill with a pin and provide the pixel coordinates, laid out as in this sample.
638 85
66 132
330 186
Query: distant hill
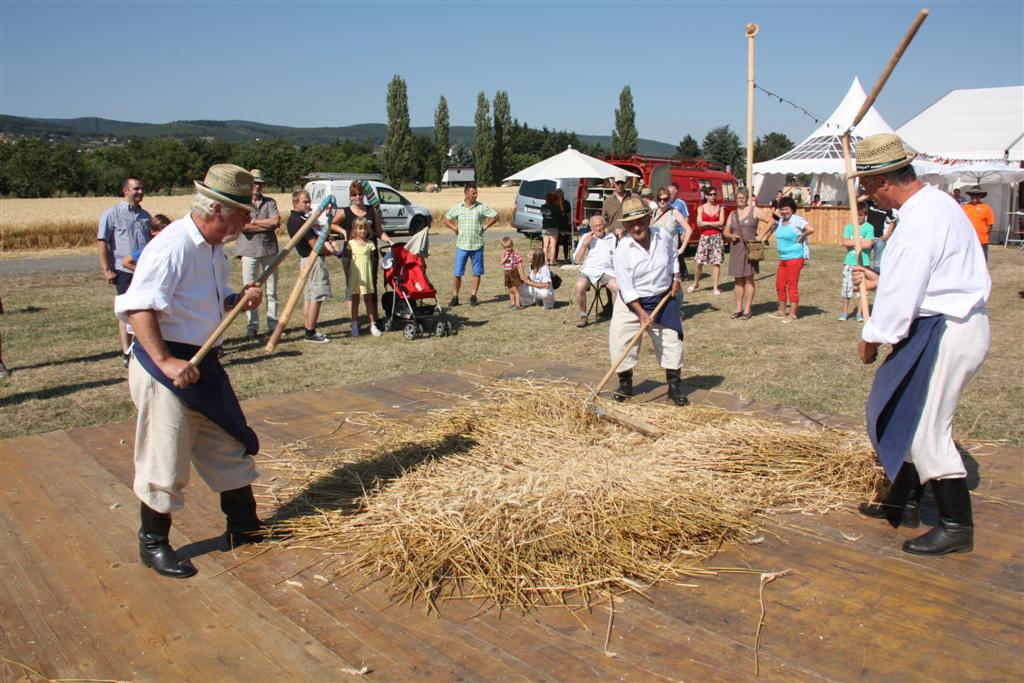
91 130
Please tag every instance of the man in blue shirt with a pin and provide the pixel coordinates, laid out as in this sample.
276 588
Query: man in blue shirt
123 229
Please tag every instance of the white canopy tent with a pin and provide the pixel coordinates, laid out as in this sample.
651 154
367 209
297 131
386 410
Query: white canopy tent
821 154
975 124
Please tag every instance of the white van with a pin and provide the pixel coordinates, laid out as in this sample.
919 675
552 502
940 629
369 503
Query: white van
526 218
397 212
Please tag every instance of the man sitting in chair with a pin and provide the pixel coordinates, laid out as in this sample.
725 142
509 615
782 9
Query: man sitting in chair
594 255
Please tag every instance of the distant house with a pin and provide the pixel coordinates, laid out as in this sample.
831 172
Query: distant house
458 175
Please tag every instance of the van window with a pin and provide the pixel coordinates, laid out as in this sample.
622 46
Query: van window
537 189
728 191
388 196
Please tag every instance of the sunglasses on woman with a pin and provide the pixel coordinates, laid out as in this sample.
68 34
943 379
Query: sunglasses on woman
662 199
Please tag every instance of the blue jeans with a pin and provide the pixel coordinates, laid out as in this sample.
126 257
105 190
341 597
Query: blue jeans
876 253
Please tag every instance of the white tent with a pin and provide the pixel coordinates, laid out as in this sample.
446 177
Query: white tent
821 154
975 124
971 125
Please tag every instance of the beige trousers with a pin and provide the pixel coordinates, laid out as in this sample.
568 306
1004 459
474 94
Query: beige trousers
962 351
625 323
169 436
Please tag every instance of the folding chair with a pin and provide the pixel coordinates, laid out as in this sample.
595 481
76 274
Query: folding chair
601 291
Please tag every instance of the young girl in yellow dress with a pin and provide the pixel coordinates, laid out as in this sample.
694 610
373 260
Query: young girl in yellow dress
360 276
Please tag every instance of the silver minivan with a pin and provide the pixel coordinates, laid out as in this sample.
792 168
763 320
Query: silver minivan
526 218
397 212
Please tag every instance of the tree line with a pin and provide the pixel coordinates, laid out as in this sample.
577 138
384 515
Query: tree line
33 168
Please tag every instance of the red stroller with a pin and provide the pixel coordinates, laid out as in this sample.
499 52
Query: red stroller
408 291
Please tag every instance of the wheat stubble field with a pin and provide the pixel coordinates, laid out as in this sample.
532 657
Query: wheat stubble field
71 221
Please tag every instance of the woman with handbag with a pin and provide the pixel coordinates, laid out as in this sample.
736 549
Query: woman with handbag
745 253
791 233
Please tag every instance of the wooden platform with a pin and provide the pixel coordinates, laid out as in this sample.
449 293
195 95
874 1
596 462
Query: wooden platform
76 602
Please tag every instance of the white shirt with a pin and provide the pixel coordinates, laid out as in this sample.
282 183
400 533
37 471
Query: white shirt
641 273
932 265
184 279
597 260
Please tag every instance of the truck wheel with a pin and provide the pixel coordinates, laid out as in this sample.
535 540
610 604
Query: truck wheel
417 224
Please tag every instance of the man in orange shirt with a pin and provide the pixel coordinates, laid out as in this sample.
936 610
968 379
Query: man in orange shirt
980 215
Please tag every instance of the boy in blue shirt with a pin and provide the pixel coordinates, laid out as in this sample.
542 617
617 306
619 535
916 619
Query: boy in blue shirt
867 234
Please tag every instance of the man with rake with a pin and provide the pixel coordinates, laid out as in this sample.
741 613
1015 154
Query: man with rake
189 415
647 270
930 305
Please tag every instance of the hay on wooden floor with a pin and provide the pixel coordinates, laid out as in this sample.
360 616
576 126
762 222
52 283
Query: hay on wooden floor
524 496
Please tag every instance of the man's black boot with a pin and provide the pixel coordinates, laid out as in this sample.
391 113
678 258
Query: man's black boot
675 388
955 532
902 504
625 389
239 506
154 549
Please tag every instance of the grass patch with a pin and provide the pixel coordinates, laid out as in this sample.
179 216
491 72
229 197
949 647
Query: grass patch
60 340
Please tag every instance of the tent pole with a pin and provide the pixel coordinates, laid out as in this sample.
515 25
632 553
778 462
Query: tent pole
751 30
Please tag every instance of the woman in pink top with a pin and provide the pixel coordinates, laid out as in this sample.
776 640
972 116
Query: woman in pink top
710 248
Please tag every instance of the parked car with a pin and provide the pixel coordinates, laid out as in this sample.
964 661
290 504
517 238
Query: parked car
397 212
526 217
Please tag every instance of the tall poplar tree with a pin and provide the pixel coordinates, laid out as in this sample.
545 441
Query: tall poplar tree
398 138
484 141
502 133
624 136
441 138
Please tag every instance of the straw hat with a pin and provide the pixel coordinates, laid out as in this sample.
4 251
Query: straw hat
229 184
634 208
257 176
976 189
882 153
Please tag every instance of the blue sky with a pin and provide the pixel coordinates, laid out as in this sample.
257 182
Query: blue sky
563 63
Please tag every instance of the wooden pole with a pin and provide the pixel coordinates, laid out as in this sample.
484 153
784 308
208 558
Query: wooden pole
233 313
847 155
751 32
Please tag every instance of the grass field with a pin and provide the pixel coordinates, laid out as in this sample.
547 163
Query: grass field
71 221
59 339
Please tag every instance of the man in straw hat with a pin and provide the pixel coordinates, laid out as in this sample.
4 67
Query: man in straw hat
930 305
646 270
257 247
189 415
980 215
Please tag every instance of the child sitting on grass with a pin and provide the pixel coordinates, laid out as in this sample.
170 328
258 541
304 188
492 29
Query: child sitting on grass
156 224
512 262
360 275
537 286
867 234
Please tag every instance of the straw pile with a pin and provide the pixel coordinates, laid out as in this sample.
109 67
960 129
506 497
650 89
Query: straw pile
524 496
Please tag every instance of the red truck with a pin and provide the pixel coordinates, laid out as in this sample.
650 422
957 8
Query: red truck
587 195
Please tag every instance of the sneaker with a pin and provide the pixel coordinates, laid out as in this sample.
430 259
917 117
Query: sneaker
843 317
355 330
316 338
473 301
375 331
582 322
860 318
454 302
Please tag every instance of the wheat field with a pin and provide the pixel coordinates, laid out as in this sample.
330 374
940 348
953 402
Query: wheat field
71 221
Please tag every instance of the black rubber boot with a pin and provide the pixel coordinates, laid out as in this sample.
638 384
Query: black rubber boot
902 504
239 506
675 388
955 532
625 389
154 549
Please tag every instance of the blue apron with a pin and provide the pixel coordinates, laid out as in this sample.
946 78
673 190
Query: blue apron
212 395
669 315
897 395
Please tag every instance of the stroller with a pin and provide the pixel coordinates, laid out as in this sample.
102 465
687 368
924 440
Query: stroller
408 289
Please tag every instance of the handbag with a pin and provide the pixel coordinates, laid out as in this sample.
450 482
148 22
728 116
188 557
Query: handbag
556 281
755 250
